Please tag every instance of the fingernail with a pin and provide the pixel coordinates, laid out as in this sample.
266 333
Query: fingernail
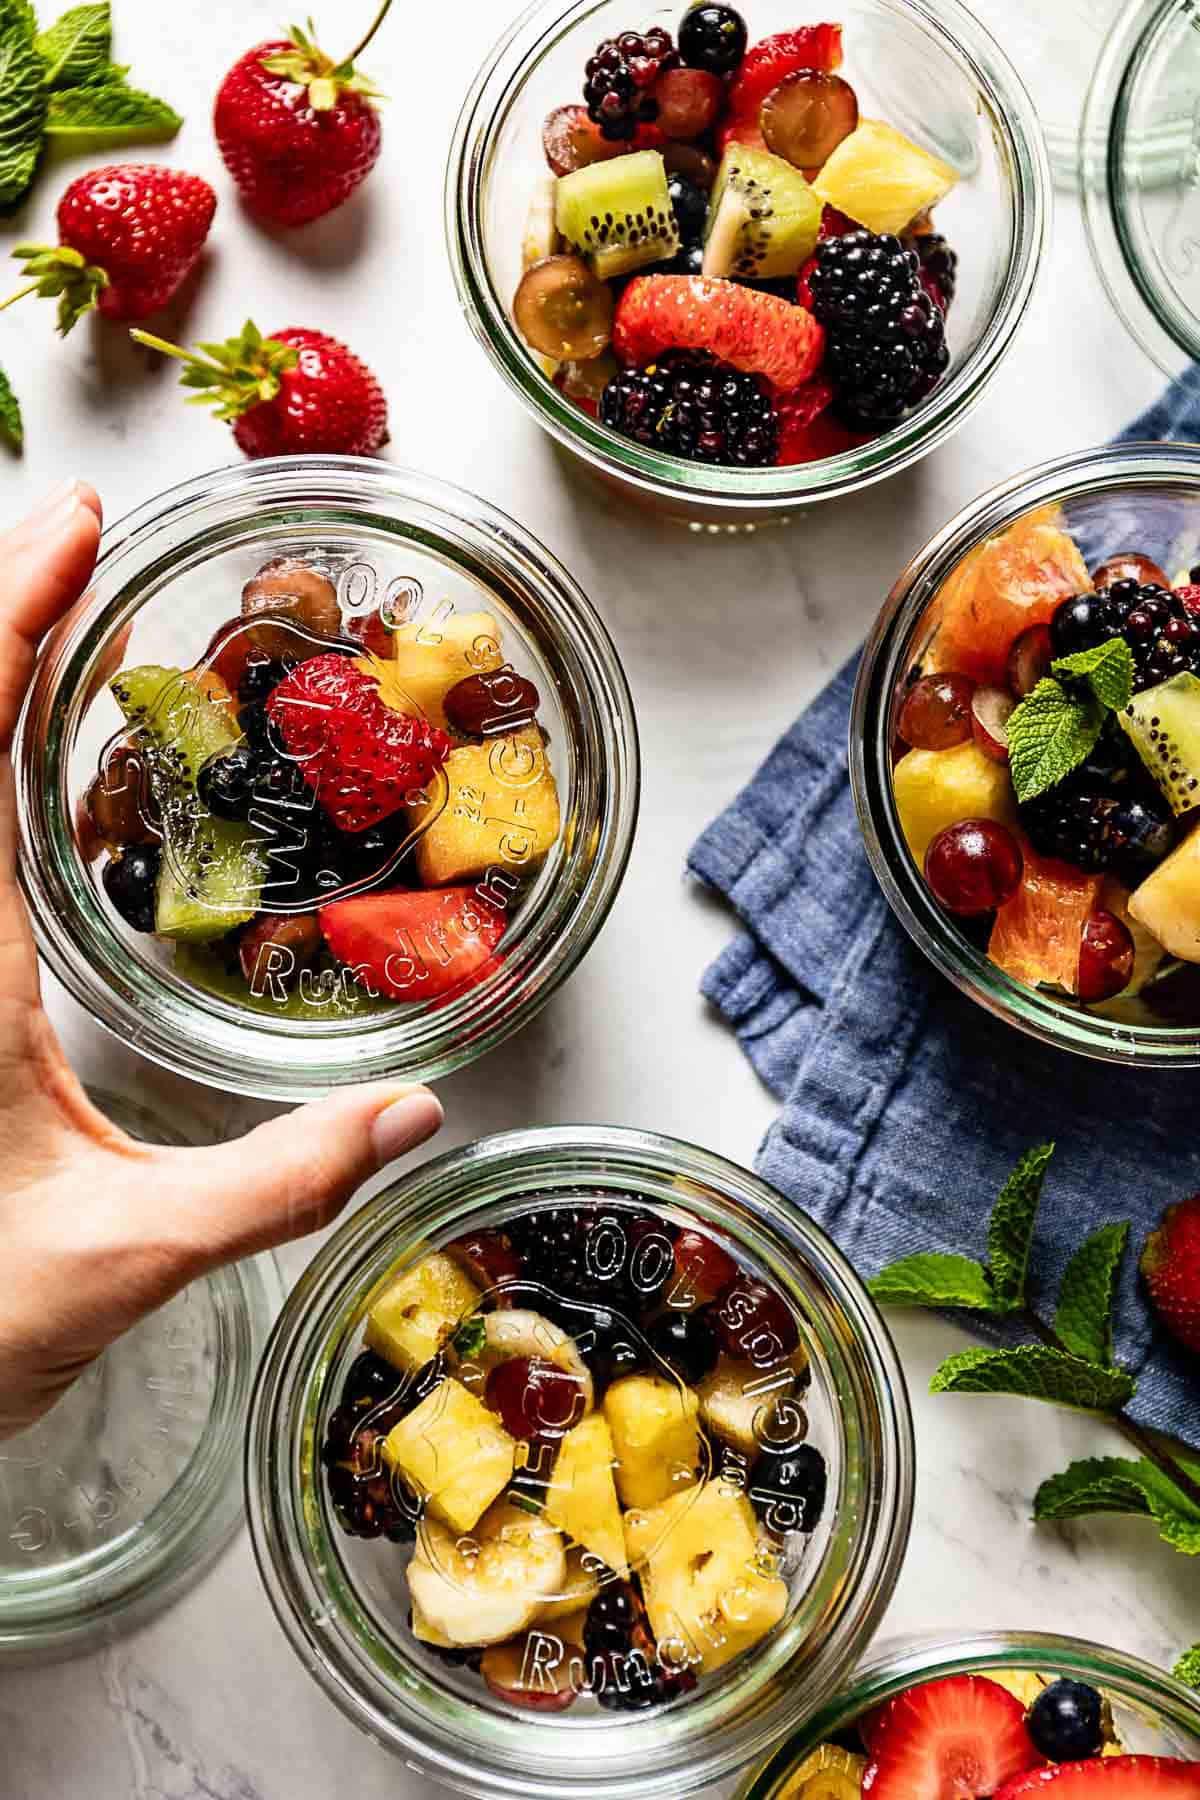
50 503
55 510
405 1124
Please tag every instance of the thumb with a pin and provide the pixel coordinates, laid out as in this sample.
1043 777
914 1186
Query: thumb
293 1174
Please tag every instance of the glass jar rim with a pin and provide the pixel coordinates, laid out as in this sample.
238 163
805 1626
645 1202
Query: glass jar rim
1128 466
270 1058
670 1760
1015 123
929 1656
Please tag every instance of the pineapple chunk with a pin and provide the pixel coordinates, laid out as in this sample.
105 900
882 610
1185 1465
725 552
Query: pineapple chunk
936 788
430 656
708 1582
655 1436
582 1497
735 1399
502 808
413 1318
454 1453
827 1773
1167 903
486 1589
882 179
1148 953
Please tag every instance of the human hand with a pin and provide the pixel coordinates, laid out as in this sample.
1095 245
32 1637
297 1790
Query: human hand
95 1229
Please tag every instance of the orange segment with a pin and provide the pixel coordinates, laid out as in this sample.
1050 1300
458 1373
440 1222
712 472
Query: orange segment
1002 587
1037 933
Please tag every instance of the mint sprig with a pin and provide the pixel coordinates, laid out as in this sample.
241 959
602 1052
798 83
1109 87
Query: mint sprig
12 429
1055 727
1072 1364
1187 1669
22 100
77 46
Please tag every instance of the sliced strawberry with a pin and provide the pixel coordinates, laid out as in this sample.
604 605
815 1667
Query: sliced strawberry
822 436
953 1739
765 64
1190 595
413 946
360 757
1118 1777
756 332
740 131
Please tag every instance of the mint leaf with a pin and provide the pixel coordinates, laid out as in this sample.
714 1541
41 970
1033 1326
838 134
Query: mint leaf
470 1338
77 46
1049 734
11 428
101 114
22 100
934 1280
1083 1321
1010 1231
1114 1484
1187 1669
1107 668
1036 1372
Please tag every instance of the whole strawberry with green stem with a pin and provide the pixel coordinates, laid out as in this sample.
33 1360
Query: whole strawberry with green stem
1170 1268
130 233
297 131
295 393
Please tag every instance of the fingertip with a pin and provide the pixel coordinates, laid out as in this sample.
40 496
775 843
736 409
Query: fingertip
90 500
404 1124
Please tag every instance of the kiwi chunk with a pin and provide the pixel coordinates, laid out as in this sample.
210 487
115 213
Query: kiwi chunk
617 215
763 219
1163 724
212 869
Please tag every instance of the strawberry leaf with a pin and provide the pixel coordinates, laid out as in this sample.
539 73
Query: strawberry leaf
1083 1321
22 101
1010 1231
1036 1372
11 428
76 47
934 1280
1114 1484
1187 1669
102 115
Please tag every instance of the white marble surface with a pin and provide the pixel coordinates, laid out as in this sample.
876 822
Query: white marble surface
723 642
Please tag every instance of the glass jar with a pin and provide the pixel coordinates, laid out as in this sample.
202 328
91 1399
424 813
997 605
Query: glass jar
1134 497
1153 1714
343 1603
435 559
129 1487
898 53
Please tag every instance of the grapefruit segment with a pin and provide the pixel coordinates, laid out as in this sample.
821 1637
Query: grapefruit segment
1001 588
1037 934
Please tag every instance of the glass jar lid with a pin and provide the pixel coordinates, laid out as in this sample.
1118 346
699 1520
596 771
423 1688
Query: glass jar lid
129 1487
1139 172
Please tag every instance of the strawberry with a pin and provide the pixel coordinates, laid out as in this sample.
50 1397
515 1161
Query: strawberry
295 393
1190 595
131 234
1171 1270
360 757
756 332
413 946
297 131
1120 1777
812 438
948 1740
765 64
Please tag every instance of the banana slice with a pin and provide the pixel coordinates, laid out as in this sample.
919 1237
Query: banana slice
828 1774
485 1588
541 231
517 1332
578 1591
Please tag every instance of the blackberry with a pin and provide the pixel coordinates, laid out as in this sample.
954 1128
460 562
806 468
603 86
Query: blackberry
939 263
788 1488
607 1345
130 880
690 405
374 1398
1099 831
619 79
573 1251
622 1655
885 339
713 37
1162 636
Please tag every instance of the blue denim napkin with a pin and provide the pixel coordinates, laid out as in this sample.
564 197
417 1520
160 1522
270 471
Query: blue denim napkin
905 1105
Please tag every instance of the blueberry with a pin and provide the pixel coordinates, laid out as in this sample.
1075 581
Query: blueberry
370 1380
129 881
713 38
687 1343
1066 1721
687 260
690 207
226 783
607 1345
1148 834
788 1488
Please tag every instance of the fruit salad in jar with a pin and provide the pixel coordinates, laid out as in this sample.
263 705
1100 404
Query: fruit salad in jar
1046 776
332 810
589 1439
726 262
1008 1734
